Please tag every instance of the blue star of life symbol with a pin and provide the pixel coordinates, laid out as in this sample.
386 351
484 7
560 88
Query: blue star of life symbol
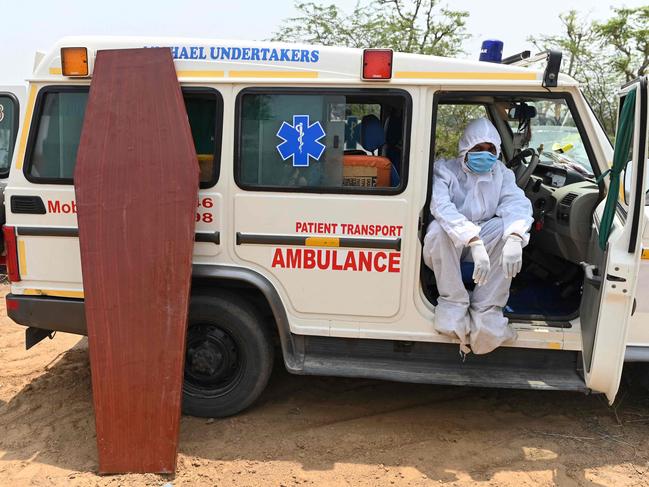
301 140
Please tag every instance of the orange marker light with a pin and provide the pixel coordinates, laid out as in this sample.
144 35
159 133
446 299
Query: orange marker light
377 64
74 61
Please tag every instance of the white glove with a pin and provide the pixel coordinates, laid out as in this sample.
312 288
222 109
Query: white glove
481 264
512 256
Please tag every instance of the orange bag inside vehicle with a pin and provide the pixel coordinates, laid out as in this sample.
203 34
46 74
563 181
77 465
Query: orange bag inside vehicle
366 171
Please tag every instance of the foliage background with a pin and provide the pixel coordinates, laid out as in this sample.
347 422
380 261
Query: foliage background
601 55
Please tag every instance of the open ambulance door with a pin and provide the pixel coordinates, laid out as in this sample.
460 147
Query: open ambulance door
615 248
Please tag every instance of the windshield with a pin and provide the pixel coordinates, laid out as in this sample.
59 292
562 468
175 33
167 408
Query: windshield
551 129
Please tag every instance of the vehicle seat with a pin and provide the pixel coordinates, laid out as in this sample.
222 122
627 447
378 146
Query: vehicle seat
466 268
392 148
372 135
368 170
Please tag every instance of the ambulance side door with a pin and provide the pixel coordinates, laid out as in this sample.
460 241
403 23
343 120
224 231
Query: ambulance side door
614 253
320 204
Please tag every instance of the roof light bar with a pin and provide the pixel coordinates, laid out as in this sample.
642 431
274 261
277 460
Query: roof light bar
491 51
552 58
516 57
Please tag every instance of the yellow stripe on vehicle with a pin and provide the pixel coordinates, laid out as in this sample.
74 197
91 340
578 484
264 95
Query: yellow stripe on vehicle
322 242
26 124
22 260
200 74
273 74
554 346
645 254
55 71
463 75
54 293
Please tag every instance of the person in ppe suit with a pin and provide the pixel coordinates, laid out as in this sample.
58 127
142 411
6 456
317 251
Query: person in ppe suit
480 215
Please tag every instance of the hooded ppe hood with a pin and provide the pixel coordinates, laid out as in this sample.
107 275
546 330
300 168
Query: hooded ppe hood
476 132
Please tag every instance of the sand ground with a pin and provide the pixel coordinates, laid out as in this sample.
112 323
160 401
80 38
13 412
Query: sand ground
326 431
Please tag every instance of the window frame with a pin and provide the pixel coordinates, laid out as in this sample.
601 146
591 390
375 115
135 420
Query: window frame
16 120
567 96
258 90
534 94
38 113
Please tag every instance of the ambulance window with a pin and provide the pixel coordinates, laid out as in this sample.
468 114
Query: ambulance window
322 142
205 113
53 152
8 130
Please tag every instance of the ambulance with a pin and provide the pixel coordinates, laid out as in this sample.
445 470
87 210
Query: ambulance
316 167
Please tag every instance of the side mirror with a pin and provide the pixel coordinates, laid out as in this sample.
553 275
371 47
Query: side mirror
521 111
626 183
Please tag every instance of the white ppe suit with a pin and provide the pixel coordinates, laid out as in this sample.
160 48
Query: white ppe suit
467 205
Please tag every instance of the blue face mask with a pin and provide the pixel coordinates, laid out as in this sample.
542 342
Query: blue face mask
480 162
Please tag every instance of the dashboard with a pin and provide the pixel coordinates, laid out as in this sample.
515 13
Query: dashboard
558 176
563 201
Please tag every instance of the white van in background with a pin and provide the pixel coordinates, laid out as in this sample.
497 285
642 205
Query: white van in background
12 112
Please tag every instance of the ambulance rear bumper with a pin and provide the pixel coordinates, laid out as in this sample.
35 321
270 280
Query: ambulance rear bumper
48 313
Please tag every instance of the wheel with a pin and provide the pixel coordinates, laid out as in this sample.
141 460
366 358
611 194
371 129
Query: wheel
228 357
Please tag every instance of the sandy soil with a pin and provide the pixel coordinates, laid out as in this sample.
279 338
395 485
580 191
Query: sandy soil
325 431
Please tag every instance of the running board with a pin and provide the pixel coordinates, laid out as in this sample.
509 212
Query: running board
439 363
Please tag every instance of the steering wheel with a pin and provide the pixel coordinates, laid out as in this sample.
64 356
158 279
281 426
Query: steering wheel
523 170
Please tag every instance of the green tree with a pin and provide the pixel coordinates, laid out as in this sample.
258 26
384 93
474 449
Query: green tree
628 33
583 60
417 26
602 55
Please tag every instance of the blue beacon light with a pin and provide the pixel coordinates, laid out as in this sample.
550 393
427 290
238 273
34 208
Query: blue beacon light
491 51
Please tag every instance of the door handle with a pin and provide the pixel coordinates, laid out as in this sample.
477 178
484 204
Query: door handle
591 274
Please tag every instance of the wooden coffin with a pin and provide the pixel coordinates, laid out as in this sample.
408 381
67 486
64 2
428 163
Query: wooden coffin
136 183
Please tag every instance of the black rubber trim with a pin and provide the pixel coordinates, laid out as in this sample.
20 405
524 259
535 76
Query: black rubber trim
48 313
210 237
639 170
297 240
47 231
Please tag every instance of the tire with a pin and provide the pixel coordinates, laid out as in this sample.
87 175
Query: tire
228 356
637 375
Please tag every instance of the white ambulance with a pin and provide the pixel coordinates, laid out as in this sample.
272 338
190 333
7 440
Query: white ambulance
316 166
